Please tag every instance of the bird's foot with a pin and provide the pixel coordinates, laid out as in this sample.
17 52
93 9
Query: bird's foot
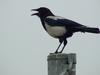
60 52
57 52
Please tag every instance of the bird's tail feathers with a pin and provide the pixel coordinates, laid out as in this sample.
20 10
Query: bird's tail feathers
89 29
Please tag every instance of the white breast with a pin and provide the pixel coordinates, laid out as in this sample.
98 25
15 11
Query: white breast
55 31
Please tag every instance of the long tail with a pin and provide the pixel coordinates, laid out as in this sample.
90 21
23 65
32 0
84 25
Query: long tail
89 29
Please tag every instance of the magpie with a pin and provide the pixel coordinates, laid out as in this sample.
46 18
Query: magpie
60 27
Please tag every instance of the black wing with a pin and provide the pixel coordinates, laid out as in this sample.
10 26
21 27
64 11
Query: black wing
58 21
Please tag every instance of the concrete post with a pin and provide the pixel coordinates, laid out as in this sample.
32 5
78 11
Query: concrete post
62 64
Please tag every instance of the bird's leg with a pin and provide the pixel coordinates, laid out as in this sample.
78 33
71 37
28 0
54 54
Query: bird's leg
58 46
65 43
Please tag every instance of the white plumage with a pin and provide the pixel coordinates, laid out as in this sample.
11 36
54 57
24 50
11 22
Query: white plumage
55 31
55 17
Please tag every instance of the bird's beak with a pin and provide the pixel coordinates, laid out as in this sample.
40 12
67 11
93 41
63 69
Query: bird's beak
34 13
33 9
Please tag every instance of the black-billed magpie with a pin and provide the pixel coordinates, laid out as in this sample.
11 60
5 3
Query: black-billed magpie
60 27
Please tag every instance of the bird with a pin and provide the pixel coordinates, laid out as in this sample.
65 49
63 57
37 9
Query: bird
60 27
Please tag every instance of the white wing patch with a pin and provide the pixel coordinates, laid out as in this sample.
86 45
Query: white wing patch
55 31
55 17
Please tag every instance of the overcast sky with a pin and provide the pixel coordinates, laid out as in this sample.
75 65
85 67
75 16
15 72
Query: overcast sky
24 45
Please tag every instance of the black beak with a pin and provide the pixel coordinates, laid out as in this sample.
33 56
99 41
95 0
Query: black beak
34 13
34 10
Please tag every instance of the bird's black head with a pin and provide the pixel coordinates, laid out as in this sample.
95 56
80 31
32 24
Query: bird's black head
42 12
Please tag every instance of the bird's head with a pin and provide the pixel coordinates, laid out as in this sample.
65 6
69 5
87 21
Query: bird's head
42 12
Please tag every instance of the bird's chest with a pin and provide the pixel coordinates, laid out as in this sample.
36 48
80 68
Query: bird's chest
55 31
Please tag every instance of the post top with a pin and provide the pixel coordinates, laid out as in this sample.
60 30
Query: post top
60 56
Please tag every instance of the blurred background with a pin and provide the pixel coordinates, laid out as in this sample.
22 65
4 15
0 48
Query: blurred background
24 44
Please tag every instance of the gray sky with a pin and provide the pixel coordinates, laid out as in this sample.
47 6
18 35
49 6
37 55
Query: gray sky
24 45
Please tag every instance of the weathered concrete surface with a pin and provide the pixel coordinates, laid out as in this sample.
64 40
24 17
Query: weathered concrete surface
62 64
